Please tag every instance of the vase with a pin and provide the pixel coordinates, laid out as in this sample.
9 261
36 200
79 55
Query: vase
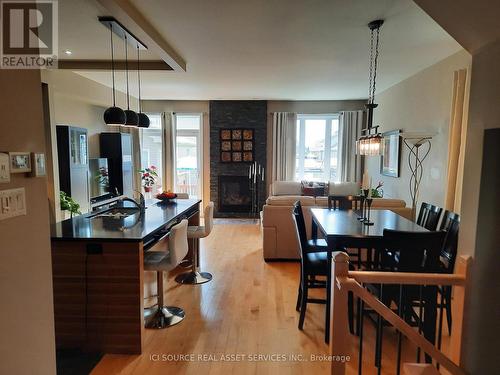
148 189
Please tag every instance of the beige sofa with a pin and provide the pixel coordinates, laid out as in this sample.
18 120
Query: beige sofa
278 231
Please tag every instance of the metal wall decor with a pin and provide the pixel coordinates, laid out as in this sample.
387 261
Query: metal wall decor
237 145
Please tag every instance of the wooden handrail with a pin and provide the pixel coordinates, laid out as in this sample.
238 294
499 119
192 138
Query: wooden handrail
398 323
407 278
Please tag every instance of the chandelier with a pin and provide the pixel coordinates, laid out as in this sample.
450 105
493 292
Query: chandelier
370 142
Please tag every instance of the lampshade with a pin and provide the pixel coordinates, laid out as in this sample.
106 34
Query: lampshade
114 116
143 120
132 119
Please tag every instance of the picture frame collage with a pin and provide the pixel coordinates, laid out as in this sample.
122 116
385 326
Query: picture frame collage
237 145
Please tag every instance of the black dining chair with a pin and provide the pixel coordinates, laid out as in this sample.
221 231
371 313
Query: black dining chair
416 252
428 216
343 202
313 263
450 225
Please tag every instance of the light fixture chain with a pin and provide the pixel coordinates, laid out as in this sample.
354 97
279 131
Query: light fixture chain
112 65
139 79
375 64
370 70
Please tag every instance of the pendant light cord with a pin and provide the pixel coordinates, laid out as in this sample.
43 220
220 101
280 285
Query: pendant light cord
375 63
370 77
126 69
112 64
139 79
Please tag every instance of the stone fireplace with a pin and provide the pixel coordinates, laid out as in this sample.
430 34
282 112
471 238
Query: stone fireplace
229 183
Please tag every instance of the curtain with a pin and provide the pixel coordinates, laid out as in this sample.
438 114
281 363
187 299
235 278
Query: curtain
284 135
169 135
456 141
349 164
135 135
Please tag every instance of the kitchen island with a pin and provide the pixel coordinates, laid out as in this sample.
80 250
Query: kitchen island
98 272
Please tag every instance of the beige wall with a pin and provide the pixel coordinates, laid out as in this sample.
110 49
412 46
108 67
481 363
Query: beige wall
27 344
419 103
189 106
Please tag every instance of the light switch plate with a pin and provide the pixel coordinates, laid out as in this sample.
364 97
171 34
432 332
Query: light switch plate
4 168
12 203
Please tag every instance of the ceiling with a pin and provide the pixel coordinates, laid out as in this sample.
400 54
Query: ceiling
261 49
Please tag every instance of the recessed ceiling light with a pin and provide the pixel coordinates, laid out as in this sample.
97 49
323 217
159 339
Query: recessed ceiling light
68 52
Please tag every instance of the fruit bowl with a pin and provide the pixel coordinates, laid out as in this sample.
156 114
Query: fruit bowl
166 197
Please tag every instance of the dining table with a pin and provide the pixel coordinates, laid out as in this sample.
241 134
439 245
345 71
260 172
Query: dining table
342 229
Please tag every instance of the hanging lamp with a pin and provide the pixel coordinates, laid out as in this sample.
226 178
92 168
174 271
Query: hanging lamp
143 118
114 116
370 142
132 118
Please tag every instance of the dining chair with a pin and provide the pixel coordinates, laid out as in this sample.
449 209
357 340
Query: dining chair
416 252
313 263
343 202
450 225
164 261
428 216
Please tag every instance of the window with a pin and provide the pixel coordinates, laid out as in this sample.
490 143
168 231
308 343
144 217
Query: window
317 147
188 155
152 146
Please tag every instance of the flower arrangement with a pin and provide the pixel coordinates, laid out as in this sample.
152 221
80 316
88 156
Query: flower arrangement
378 192
148 177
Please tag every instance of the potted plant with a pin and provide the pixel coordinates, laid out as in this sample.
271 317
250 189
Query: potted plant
148 178
378 192
68 204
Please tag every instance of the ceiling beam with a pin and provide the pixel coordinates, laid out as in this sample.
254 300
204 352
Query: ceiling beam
105 65
130 17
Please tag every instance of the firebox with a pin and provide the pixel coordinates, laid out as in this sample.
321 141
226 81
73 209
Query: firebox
234 194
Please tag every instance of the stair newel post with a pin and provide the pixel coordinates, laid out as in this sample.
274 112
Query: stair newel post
339 337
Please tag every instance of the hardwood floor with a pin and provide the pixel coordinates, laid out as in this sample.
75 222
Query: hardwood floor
248 309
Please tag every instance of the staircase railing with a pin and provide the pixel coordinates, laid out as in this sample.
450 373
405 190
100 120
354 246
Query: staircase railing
345 281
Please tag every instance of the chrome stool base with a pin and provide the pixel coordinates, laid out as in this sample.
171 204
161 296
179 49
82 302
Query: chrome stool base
193 278
164 317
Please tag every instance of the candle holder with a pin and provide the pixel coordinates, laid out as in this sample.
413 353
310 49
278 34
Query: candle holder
369 204
362 201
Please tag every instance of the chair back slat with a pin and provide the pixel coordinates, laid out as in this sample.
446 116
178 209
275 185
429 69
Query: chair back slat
450 225
300 228
343 202
428 216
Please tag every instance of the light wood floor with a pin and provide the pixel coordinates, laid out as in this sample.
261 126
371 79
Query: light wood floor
248 309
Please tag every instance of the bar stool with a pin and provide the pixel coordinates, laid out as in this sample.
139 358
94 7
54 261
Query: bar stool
195 233
161 261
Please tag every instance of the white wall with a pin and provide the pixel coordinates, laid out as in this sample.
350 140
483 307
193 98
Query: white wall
419 103
27 343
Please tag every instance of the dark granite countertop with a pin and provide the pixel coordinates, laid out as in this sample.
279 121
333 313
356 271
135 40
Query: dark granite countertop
135 227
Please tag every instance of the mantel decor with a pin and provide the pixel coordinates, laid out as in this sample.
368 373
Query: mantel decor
237 145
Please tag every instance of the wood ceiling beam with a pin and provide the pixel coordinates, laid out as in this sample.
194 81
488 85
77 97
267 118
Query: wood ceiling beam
130 17
105 65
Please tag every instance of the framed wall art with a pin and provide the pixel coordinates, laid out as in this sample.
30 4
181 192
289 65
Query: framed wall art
237 145
389 161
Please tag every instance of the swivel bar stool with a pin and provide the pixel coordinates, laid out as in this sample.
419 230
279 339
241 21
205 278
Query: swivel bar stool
162 261
195 233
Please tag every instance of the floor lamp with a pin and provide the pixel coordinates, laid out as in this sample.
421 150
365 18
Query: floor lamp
419 146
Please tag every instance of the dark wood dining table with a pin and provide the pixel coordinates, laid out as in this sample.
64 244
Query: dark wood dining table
342 229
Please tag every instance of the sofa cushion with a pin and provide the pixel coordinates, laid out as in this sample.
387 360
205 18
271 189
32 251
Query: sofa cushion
388 202
286 188
344 188
322 201
289 200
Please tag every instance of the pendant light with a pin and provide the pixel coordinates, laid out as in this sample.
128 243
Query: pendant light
370 143
132 118
114 116
143 118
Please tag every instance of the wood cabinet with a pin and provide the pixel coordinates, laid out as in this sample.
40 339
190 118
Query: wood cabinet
72 151
117 147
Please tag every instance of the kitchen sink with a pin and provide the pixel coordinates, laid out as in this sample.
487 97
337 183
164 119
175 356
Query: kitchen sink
116 213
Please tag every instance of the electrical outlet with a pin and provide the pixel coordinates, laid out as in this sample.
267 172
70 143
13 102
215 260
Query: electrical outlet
12 203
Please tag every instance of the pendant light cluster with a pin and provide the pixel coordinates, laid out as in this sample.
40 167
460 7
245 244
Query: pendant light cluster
370 143
115 116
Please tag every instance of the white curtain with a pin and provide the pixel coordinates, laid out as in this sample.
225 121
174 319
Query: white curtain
349 164
135 134
284 144
169 135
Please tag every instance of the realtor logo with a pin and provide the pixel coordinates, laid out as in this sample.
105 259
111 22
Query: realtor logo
29 34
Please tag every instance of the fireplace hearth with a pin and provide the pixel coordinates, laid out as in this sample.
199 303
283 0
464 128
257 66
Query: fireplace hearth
234 194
